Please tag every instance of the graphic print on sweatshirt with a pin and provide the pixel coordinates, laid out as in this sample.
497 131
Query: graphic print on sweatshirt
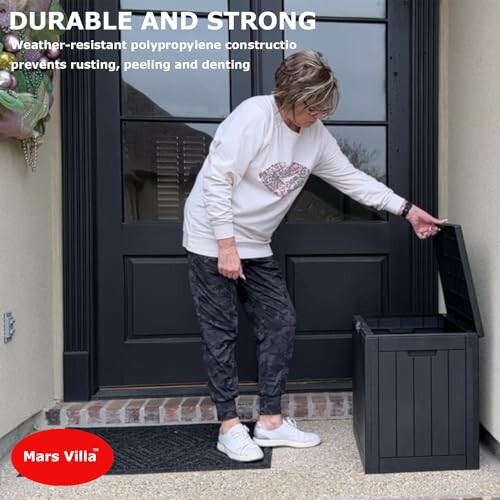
282 178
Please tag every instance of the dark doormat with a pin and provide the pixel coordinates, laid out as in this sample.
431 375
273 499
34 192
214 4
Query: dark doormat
171 448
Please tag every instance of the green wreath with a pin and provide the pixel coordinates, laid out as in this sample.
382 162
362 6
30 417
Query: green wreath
26 95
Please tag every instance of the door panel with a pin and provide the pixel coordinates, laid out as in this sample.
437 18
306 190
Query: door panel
155 308
320 284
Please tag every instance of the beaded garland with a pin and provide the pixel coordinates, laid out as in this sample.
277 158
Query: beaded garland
26 95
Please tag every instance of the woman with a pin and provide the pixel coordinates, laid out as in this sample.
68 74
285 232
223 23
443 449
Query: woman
259 159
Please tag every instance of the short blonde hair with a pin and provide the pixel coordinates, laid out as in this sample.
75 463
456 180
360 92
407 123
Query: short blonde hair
306 77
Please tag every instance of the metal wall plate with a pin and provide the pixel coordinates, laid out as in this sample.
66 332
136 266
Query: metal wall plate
8 326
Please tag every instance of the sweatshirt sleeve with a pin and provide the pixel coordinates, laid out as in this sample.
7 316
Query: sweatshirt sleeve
336 169
236 142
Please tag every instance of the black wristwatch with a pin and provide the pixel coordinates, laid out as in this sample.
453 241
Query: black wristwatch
406 209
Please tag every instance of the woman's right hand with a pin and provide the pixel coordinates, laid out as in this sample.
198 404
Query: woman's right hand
229 263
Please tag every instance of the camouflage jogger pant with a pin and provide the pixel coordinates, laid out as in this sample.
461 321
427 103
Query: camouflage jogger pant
271 316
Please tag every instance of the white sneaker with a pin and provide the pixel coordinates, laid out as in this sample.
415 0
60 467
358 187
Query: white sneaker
286 434
237 444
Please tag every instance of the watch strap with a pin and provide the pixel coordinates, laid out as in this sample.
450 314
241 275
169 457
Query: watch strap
406 209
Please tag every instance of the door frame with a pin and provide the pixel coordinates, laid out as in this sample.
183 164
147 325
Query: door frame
78 95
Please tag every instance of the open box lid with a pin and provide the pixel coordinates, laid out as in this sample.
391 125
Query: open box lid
456 278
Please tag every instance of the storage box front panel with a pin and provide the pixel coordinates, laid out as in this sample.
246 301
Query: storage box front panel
422 403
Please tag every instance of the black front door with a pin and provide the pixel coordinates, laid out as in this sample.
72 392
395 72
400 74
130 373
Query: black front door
154 128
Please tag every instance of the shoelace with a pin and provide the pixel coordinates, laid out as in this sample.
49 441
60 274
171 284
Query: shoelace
242 434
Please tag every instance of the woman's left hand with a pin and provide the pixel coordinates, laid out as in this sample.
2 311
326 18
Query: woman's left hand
423 223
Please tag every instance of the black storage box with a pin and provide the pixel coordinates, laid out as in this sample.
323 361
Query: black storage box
415 379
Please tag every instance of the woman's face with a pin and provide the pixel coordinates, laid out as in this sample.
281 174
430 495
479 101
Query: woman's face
305 116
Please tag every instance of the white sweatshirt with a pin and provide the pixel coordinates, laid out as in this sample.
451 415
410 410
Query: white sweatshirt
255 168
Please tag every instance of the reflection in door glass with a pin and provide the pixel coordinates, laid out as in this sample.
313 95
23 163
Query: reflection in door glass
160 164
187 5
319 202
356 53
167 91
365 147
339 8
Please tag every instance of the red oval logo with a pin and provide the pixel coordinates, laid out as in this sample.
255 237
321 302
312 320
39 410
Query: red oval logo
62 456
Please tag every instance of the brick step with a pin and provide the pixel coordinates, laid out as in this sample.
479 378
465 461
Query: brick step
191 409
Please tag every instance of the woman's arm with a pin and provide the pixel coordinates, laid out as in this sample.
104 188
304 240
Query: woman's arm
235 144
335 168
237 141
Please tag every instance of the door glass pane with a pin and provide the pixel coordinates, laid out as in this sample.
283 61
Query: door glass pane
160 164
339 8
319 202
174 92
365 147
356 53
187 5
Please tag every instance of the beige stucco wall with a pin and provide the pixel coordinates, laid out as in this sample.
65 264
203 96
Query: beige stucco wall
30 277
470 166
